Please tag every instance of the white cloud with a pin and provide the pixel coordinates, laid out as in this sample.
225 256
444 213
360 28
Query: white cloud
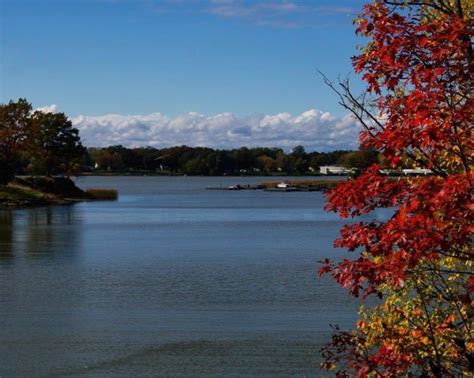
48 109
264 13
314 129
277 13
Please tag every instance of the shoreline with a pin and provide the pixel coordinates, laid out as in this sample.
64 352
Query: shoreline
28 191
170 174
302 185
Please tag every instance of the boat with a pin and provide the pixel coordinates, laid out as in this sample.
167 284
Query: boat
283 185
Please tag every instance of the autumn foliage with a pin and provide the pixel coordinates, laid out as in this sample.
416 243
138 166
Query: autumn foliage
418 108
40 142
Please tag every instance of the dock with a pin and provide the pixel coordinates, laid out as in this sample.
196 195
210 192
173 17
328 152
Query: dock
236 187
287 186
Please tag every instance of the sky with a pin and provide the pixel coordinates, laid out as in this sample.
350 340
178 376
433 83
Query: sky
216 73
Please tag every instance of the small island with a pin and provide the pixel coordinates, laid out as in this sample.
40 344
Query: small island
43 191
39 152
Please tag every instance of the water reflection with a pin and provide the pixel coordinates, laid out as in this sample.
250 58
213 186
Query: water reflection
40 284
52 215
6 235
39 232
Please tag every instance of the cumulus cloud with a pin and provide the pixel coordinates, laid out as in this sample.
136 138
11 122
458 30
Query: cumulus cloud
314 129
48 109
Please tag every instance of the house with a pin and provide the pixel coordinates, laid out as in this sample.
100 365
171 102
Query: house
334 170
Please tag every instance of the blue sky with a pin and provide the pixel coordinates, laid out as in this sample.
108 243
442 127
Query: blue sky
92 58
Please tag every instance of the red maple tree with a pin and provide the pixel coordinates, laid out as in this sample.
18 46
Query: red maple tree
418 111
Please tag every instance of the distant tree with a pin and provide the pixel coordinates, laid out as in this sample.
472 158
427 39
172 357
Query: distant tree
363 158
207 161
244 158
196 166
54 145
225 163
86 162
315 160
318 159
149 160
267 164
14 126
100 157
282 161
299 152
298 160
116 161
300 165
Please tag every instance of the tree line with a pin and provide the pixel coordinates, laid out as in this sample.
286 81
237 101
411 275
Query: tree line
208 161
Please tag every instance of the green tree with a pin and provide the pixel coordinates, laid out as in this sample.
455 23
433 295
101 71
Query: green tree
267 164
299 152
283 162
300 165
244 158
14 126
298 159
54 145
361 159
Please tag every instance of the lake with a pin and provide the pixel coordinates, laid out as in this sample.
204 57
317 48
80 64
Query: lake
170 280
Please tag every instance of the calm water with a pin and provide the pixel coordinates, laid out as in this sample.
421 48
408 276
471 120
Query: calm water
169 280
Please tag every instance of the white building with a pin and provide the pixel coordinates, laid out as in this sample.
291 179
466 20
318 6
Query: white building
334 170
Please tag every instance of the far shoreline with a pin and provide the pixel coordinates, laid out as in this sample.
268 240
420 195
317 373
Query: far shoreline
140 174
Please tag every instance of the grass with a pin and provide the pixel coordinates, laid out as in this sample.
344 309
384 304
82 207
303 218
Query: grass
102 194
19 193
14 195
48 191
